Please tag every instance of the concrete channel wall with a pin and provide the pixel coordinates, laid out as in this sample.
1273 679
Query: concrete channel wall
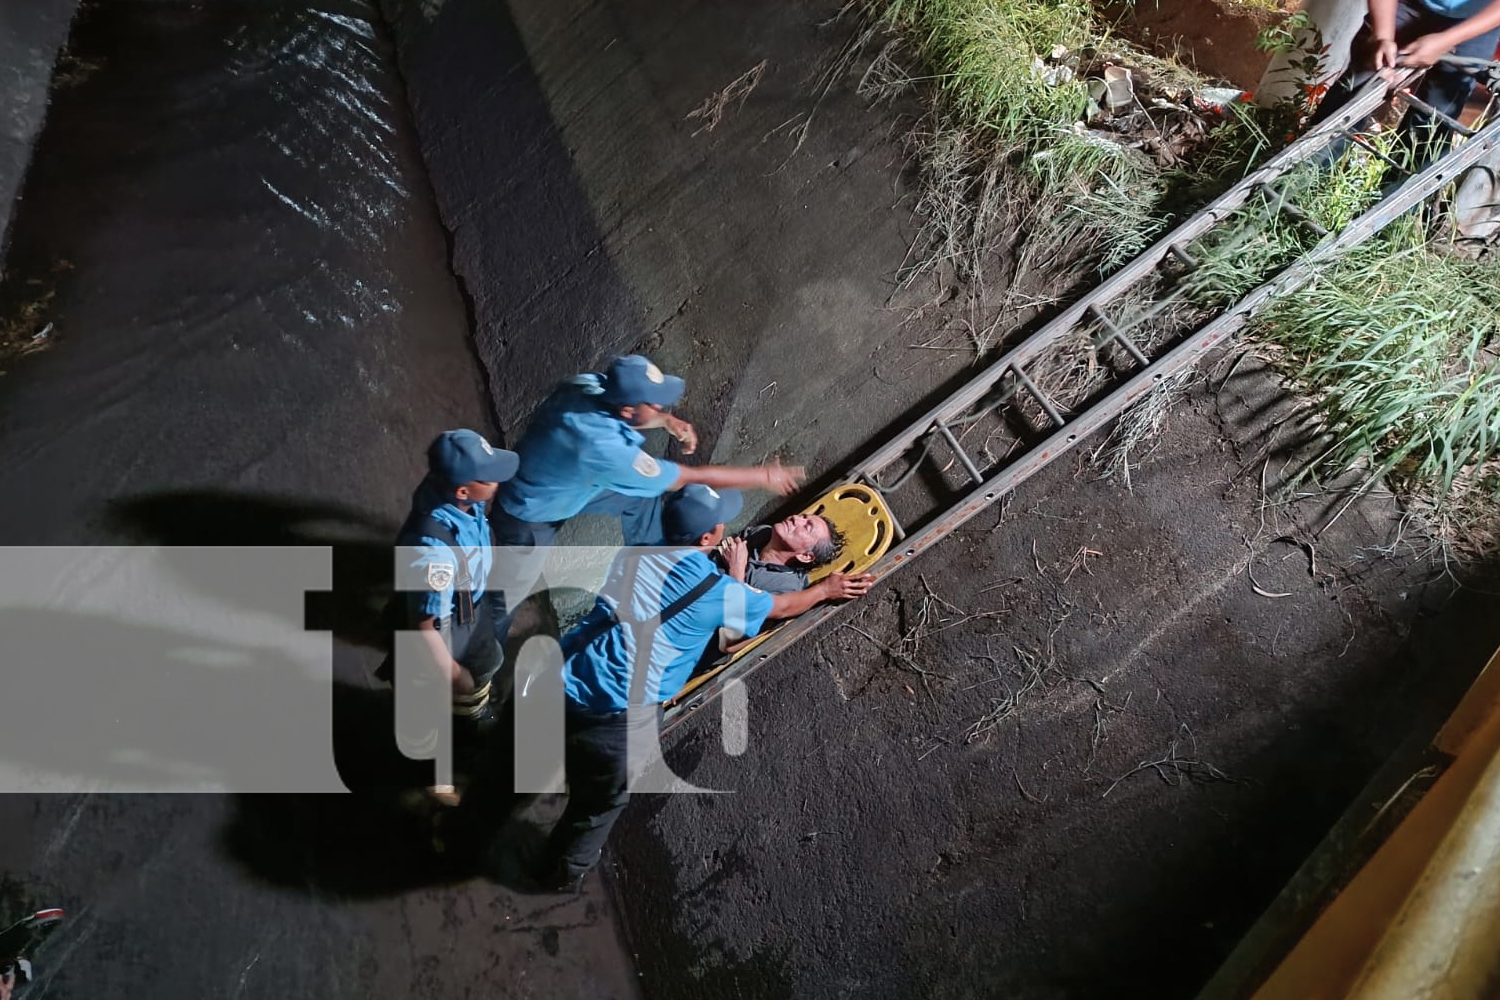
32 33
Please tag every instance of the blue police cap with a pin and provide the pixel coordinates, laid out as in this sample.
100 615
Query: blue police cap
695 510
632 379
463 456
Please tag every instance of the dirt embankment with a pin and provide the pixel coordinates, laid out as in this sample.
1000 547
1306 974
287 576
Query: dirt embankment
1112 739
1216 39
33 35
1101 738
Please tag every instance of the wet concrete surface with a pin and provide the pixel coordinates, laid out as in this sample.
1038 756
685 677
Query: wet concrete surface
729 253
254 335
32 33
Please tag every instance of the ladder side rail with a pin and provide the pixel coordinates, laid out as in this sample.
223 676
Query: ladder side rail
1208 336
1364 103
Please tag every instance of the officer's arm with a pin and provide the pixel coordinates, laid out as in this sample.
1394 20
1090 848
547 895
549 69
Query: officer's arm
1486 20
675 426
462 681
1383 31
833 587
773 476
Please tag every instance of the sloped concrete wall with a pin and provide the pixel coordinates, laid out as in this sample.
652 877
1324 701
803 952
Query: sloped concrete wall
32 32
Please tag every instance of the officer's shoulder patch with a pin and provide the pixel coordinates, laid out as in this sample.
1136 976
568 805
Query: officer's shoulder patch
439 576
646 465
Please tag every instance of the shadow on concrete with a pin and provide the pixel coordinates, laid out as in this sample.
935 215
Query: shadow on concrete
376 840
385 838
362 550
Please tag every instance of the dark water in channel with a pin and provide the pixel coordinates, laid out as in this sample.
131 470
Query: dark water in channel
254 332
251 290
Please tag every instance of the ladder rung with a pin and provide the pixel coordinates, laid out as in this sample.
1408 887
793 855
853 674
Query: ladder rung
1115 333
1187 259
1046 403
1369 147
1281 203
896 528
1422 106
958 450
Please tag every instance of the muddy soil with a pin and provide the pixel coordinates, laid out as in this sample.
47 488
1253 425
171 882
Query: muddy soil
1099 757
1215 38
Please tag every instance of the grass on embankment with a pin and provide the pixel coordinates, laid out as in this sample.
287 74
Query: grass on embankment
1005 149
1397 345
1395 342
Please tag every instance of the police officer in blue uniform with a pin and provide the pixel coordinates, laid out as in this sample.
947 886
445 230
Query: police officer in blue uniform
449 536
636 649
583 454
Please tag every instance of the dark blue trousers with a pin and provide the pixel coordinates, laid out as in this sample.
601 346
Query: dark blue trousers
1444 87
599 770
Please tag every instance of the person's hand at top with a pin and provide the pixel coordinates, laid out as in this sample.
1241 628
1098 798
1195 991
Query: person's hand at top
1423 52
1384 56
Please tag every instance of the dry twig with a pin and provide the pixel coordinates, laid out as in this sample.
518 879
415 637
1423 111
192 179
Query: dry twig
1174 768
711 111
901 659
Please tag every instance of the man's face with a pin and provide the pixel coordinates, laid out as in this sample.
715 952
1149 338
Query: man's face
644 414
477 491
802 533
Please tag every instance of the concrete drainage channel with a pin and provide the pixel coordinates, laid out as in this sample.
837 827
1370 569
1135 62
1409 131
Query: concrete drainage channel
882 839
256 332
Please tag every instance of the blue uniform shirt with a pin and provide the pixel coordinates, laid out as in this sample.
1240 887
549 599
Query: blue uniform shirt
576 450
1459 10
598 677
435 558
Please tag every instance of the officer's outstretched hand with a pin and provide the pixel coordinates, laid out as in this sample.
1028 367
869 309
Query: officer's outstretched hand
783 479
839 587
682 431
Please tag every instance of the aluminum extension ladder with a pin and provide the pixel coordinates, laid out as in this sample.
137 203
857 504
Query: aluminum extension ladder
959 481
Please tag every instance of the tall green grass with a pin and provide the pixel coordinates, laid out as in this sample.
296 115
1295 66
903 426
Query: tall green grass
982 52
1396 340
1085 196
1398 344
